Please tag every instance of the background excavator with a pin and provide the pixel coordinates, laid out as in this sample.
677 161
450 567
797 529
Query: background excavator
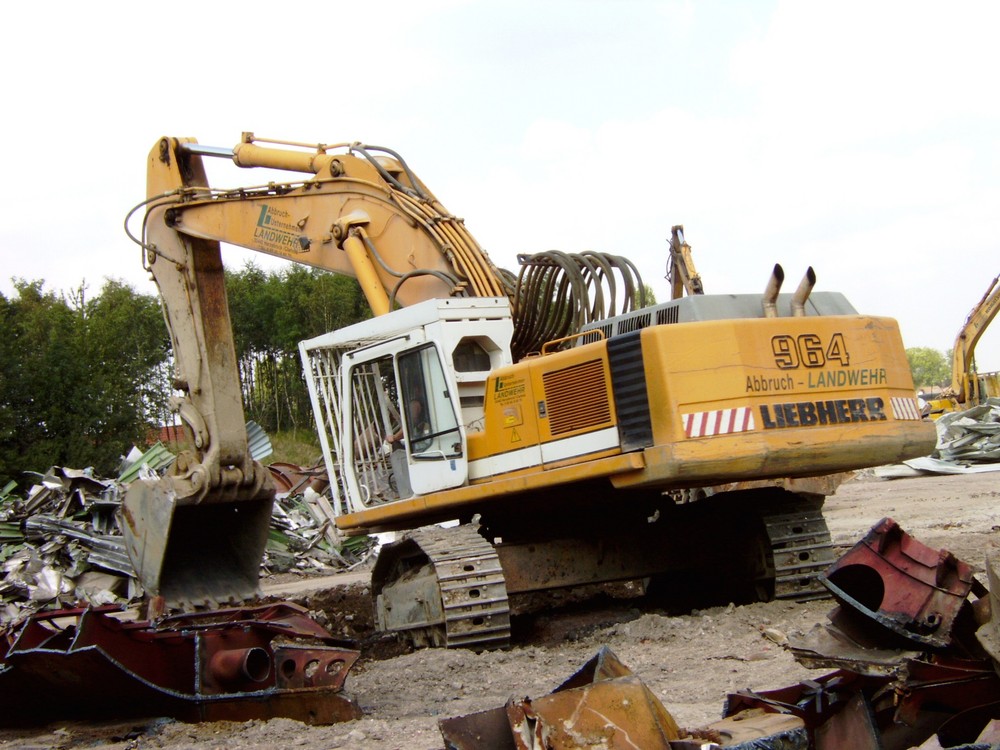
578 436
968 386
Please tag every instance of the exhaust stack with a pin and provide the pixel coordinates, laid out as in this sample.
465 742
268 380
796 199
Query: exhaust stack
802 293
770 301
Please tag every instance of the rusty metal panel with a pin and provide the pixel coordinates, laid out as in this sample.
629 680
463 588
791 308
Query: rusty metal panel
616 713
601 705
814 701
902 585
206 666
485 730
948 684
852 727
604 665
830 647
988 633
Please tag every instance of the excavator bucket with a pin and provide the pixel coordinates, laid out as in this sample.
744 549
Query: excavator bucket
196 553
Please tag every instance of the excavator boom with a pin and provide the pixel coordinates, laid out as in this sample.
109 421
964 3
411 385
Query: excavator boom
361 212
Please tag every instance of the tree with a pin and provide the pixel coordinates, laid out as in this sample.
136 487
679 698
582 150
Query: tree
127 353
646 299
81 379
271 312
929 367
38 367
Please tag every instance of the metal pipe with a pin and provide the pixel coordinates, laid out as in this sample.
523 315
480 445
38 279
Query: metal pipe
198 149
770 301
238 665
802 293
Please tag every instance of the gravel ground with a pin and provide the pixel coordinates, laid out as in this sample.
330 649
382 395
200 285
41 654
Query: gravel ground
690 661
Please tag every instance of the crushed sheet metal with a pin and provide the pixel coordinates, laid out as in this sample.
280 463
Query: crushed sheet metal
258 443
970 436
604 705
826 646
946 684
749 730
155 458
617 713
210 666
927 464
902 585
884 697
110 550
601 705
813 701
69 524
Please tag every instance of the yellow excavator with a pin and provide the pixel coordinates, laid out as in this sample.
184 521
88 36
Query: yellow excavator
969 387
577 436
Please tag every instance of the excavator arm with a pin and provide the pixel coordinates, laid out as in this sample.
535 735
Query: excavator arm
964 384
680 269
361 212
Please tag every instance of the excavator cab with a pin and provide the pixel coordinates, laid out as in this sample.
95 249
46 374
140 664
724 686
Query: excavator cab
400 382
399 397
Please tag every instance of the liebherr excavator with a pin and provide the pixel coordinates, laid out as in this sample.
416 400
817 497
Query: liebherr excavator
578 440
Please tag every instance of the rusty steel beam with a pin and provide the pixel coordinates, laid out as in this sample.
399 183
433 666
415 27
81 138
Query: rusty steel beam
209 666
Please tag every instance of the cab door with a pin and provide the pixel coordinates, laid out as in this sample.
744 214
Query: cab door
399 388
434 437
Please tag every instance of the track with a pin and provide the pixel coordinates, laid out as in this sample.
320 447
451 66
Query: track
801 548
471 583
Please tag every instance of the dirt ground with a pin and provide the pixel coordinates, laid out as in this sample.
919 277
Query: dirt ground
689 661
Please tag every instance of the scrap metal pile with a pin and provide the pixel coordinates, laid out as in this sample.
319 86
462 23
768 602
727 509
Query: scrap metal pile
61 543
972 435
915 648
968 442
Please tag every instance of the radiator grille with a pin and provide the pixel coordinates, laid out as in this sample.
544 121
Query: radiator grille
635 323
667 315
576 398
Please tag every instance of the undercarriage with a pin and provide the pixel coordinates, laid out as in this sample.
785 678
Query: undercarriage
460 586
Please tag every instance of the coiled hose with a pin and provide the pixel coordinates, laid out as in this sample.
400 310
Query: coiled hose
557 293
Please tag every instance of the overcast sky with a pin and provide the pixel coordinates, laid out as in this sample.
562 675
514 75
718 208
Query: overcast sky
862 138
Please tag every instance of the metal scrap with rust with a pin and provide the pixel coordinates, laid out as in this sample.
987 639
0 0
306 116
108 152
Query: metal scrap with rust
235 665
61 544
910 589
604 705
601 705
903 634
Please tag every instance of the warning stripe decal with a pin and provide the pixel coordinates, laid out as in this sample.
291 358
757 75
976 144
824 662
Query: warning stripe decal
905 408
719 422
